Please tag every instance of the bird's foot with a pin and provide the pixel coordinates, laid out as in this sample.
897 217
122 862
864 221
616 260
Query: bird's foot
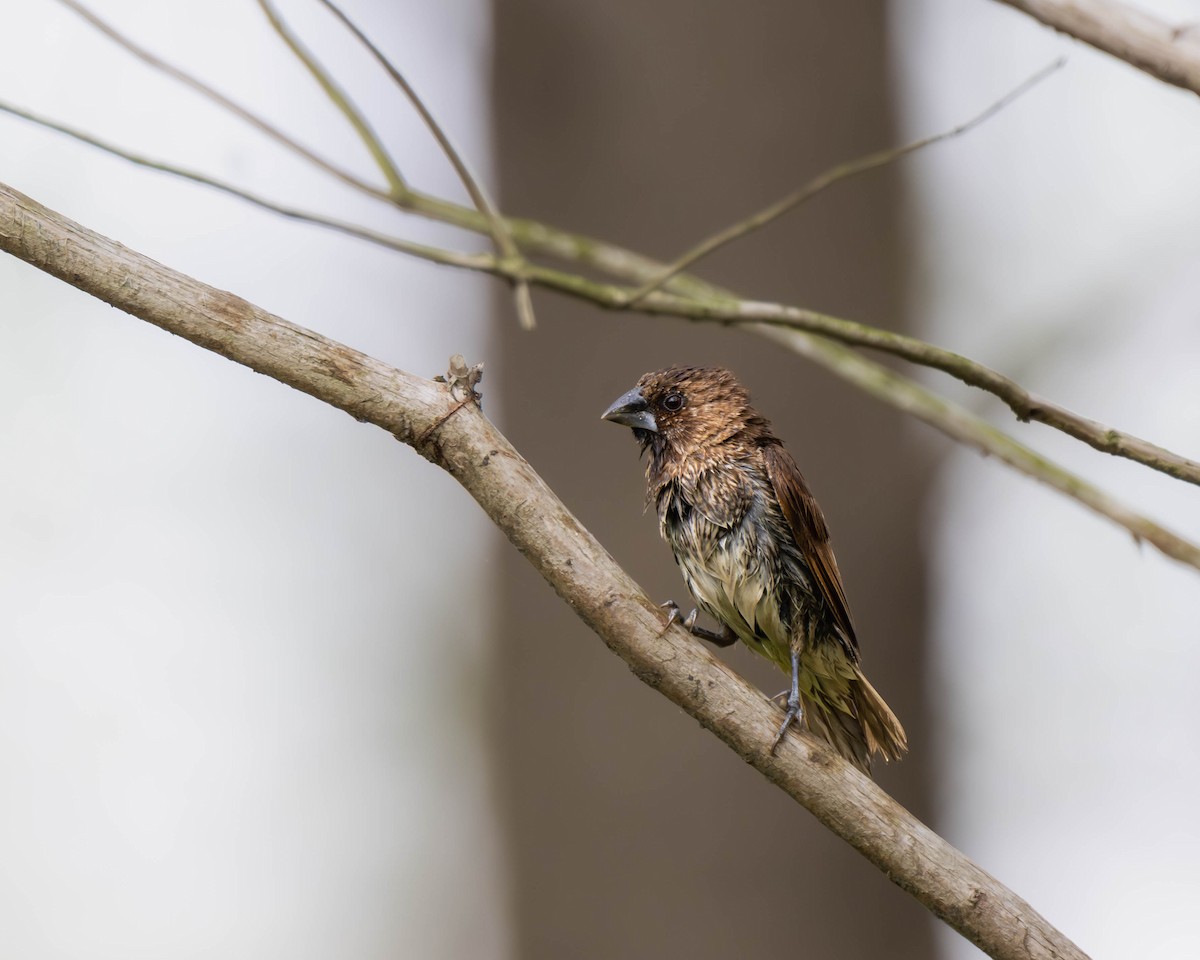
722 639
673 616
793 716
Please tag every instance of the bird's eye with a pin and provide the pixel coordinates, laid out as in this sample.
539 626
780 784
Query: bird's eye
673 402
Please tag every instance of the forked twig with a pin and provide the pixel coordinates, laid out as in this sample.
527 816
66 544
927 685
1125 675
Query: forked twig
505 246
387 165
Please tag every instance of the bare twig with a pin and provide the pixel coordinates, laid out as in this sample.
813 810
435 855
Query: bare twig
257 122
972 431
579 568
341 100
503 240
1169 53
1023 404
467 261
842 171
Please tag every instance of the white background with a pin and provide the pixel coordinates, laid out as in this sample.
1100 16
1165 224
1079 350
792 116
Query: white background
236 690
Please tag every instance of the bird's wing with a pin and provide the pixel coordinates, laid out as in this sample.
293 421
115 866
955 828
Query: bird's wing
810 533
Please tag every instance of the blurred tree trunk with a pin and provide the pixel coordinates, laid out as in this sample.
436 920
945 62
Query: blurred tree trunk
632 832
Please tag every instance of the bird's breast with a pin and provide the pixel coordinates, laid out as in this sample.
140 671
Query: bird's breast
730 567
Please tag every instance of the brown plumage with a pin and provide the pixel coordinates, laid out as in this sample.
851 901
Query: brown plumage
754 549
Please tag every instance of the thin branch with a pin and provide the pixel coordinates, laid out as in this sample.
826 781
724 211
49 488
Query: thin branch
505 246
1023 404
1170 53
222 101
842 171
341 100
972 431
479 262
460 439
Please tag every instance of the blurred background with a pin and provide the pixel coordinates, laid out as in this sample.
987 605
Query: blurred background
271 684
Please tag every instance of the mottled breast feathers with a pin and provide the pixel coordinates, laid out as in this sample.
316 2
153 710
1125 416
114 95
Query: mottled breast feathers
720 495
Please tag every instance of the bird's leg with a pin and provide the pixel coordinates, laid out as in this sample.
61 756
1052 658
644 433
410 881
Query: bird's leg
794 712
722 639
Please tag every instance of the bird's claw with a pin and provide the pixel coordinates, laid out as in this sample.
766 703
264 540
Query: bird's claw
673 616
793 716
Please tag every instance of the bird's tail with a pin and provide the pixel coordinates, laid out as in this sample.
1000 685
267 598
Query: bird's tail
857 724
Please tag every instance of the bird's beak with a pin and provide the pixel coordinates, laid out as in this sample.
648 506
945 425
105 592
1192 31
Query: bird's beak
631 410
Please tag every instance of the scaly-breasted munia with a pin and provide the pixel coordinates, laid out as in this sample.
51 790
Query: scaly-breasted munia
754 549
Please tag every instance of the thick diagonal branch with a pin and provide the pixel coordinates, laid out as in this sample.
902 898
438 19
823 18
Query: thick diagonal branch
462 441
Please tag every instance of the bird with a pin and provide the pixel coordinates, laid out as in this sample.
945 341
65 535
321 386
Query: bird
754 550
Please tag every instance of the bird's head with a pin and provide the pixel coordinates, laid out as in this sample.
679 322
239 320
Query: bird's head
685 410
